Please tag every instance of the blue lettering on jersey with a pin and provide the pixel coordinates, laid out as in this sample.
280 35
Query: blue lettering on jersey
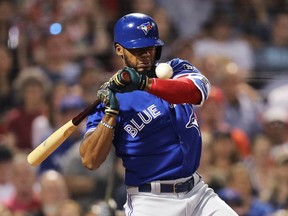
145 117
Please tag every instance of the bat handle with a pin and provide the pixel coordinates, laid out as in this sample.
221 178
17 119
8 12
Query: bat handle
125 76
82 115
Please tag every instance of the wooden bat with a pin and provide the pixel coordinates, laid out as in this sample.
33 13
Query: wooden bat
41 152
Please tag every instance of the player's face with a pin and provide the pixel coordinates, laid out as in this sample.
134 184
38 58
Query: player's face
141 59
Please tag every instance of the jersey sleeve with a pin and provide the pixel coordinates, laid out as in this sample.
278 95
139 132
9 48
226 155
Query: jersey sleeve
94 119
183 68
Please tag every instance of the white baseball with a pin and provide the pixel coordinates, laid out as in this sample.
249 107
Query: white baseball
164 71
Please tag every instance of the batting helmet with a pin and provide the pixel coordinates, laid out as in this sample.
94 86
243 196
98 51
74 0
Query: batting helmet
137 30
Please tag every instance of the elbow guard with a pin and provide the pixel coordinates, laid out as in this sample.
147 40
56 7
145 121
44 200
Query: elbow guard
202 84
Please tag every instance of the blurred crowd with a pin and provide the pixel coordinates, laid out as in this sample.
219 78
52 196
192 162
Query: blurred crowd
54 56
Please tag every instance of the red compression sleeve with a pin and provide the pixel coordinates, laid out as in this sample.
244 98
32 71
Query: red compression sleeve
176 91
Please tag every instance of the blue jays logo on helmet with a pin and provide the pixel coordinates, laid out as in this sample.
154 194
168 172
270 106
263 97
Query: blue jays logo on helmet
137 30
145 27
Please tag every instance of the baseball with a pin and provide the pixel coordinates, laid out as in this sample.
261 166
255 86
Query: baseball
164 71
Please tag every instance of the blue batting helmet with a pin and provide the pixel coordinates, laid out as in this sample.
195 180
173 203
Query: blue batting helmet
137 30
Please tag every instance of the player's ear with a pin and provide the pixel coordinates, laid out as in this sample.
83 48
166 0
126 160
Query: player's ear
119 49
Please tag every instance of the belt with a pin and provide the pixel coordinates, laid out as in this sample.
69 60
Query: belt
180 187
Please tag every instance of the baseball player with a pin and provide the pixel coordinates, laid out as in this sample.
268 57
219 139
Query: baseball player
152 124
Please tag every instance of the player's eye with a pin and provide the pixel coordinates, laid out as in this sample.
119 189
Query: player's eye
141 50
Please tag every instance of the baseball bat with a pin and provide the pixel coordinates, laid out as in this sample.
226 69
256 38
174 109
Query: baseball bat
42 151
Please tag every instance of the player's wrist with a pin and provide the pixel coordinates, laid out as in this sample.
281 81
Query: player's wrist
109 119
105 124
111 112
144 80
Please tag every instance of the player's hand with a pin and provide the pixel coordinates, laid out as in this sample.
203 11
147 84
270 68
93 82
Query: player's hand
108 97
128 80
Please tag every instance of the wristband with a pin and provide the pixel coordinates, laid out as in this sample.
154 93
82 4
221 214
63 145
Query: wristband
107 125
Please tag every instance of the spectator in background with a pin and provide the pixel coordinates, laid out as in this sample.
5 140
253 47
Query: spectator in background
31 88
119 193
210 64
278 96
260 166
6 11
9 34
271 58
279 187
86 25
4 211
254 19
243 104
35 18
281 212
6 186
7 100
85 186
206 166
212 118
46 123
148 7
25 200
70 106
188 15
275 127
224 155
221 40
90 81
183 48
69 207
54 55
239 180
102 208
53 191
233 199
166 26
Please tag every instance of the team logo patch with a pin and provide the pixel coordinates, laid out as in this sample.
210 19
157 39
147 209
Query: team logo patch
188 67
192 123
145 27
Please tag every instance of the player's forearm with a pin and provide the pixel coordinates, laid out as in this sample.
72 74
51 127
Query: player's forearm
175 91
96 146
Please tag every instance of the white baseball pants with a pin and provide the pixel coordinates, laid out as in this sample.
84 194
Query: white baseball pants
200 201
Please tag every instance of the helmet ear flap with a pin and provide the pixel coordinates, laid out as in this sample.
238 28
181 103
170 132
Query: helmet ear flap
158 53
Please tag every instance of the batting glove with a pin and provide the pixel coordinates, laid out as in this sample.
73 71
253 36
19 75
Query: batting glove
128 80
108 97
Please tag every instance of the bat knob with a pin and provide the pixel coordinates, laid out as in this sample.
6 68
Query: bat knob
126 76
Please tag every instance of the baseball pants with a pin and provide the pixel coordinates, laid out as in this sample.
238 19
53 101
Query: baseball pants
200 201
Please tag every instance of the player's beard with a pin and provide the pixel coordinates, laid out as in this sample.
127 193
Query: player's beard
141 69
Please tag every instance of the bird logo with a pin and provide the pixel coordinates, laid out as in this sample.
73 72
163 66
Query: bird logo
145 27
